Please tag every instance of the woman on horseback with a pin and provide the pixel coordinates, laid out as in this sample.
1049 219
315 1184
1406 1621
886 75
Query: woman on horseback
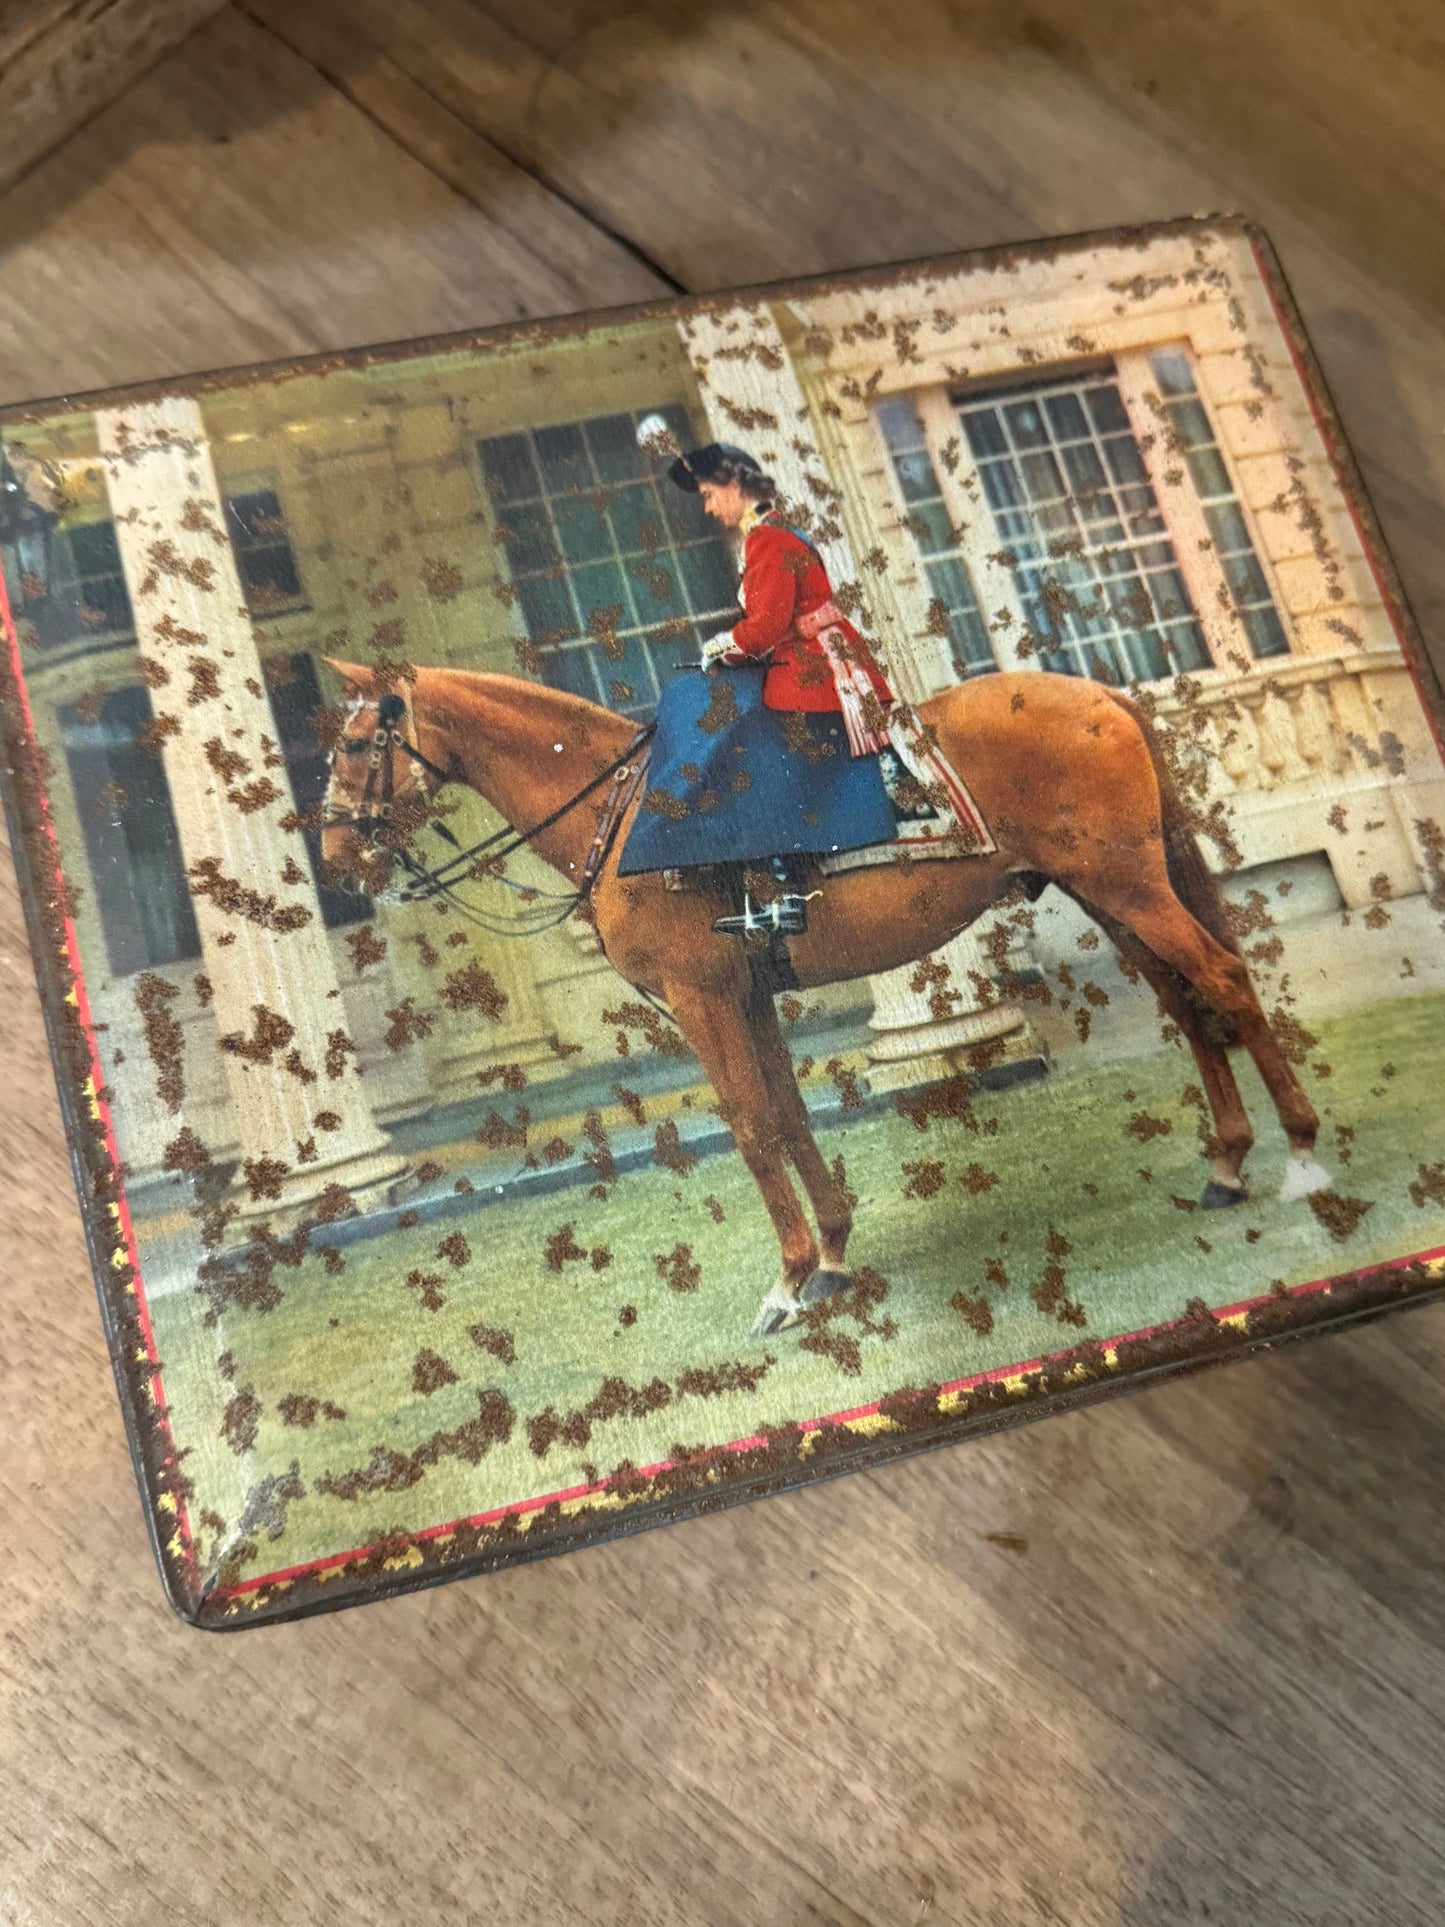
786 597
819 671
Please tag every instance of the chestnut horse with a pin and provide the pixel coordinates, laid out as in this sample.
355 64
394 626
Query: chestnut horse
1069 778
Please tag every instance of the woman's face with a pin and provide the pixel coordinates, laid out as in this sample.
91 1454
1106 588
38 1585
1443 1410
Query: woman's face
723 501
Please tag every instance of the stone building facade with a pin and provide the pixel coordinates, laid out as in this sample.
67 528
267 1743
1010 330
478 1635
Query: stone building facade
1101 462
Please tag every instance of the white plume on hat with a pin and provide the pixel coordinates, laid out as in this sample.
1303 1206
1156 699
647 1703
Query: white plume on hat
654 435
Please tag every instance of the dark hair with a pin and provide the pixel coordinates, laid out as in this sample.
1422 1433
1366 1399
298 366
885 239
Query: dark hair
752 481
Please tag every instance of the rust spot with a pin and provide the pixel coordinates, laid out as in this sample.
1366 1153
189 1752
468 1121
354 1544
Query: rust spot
164 1039
270 1033
500 1135
615 1398
1339 1216
974 1310
511 1077
407 1025
474 988
925 1178
427 1286
299 1408
493 1339
844 1079
599 1154
442 580
210 882
668 1149
562 1248
678 1269
430 1372
186 1152
241 1420
365 946
264 1176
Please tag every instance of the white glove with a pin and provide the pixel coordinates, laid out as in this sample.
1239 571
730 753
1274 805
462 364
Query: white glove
719 649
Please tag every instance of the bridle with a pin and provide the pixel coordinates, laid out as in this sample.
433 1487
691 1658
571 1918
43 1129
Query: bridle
379 793
372 814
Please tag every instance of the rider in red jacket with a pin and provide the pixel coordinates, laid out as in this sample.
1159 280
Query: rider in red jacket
784 584
787 601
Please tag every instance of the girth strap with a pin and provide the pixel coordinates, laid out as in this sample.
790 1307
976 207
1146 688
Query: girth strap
626 780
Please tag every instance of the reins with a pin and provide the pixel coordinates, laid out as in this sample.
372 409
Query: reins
519 838
441 880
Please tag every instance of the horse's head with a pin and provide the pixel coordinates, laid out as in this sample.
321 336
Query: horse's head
379 788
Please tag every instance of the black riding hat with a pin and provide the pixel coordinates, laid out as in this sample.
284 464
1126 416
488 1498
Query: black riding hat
703 464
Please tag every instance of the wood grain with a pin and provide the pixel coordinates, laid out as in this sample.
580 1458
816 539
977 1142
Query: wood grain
1175 1659
62 61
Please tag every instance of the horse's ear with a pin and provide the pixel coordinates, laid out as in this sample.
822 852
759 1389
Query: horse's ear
357 677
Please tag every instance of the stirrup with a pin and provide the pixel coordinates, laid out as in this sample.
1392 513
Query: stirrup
785 916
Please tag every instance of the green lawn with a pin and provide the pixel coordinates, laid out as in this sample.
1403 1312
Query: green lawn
1066 1166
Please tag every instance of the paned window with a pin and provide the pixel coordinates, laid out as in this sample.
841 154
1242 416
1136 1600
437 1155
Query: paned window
130 833
264 557
953 604
295 701
66 584
1077 519
1233 545
619 574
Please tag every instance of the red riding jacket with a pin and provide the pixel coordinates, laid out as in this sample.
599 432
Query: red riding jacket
783 579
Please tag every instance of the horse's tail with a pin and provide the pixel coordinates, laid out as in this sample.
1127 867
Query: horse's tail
1192 880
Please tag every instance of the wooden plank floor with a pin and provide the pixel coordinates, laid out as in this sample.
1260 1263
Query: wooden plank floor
1178 1659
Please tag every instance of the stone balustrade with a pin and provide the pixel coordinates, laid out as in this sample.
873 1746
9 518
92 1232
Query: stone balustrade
1301 720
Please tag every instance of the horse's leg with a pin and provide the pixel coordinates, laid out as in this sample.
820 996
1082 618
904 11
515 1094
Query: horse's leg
1233 1136
1161 922
827 1196
718 1029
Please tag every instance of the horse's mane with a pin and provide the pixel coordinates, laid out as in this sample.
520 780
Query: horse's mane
536 699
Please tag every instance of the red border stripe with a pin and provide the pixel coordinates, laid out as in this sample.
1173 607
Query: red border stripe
993 1376
1389 597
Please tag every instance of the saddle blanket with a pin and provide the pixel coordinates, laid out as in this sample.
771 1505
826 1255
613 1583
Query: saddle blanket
730 781
913 849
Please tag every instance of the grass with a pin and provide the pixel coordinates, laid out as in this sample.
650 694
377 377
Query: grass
1052 1173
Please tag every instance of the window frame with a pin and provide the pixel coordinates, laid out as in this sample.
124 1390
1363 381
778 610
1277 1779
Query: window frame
586 642
1199 564
1037 385
85 641
253 487
919 578
996 588
340 909
91 747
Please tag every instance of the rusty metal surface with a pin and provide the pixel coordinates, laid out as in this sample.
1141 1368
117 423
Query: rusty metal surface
908 1417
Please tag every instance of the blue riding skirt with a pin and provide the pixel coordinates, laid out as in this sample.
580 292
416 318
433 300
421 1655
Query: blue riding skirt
731 781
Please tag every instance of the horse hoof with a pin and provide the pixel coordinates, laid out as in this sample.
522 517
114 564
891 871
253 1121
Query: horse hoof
1219 1197
826 1282
777 1311
1303 1177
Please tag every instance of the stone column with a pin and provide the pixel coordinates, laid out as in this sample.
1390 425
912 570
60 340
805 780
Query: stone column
428 515
753 395
913 1045
265 949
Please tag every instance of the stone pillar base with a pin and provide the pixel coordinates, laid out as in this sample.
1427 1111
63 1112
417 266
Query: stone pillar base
995 1047
370 1179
